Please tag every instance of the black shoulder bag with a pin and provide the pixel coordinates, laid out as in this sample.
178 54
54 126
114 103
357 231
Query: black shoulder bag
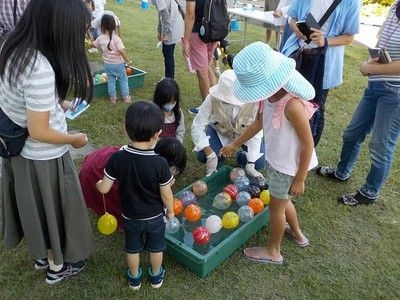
12 136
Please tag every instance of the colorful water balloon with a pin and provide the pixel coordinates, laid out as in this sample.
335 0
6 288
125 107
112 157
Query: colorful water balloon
242 182
245 213
214 223
107 224
192 213
260 182
264 196
201 235
236 172
254 191
172 226
222 200
243 198
230 220
256 204
187 198
178 206
199 188
232 190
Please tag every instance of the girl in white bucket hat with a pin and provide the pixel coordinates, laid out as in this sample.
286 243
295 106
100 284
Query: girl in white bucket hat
268 76
221 118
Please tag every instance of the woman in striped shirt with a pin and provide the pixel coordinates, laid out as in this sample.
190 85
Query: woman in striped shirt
41 61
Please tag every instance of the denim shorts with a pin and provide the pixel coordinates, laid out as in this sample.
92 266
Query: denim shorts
146 234
278 184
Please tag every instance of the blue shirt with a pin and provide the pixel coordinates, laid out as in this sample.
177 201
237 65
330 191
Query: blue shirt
345 19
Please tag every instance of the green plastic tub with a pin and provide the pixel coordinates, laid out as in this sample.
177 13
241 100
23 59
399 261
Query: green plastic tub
203 259
135 80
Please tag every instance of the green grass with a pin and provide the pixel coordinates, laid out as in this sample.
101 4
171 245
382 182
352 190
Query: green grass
354 252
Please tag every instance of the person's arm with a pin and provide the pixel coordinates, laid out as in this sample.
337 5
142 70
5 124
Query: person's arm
295 113
104 185
121 50
165 24
253 147
199 125
125 57
168 200
373 67
180 131
39 129
341 40
189 22
251 131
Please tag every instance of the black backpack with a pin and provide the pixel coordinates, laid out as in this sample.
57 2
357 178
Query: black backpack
215 23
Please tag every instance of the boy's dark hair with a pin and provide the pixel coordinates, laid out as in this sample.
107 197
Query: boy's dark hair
143 120
108 23
57 29
173 151
166 90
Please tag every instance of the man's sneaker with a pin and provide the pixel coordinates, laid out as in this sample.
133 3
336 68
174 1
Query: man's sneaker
41 264
156 281
356 199
134 282
328 172
67 270
193 110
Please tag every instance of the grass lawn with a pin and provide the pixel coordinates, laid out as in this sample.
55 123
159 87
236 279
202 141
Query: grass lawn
354 252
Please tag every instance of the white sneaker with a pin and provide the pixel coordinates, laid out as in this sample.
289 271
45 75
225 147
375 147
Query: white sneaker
93 50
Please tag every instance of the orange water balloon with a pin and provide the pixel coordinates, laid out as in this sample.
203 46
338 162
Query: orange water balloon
192 213
256 204
178 206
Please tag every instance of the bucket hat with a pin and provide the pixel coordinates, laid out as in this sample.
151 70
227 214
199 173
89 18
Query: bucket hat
223 90
261 72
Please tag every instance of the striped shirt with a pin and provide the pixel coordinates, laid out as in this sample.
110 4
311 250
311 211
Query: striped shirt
390 39
7 12
35 90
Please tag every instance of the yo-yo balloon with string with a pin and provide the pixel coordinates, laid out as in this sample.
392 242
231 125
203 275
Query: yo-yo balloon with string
107 223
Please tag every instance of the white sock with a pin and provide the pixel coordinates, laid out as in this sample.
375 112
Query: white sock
54 267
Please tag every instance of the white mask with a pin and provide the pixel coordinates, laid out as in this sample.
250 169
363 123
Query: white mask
168 107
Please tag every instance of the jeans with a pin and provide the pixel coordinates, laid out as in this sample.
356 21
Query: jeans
169 62
241 158
114 72
379 112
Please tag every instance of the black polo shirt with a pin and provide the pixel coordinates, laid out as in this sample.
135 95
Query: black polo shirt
139 173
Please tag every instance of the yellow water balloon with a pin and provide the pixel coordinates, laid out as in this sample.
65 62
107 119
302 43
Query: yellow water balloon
107 224
264 196
230 220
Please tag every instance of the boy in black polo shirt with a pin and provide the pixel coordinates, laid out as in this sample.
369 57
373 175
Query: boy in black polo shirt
145 181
